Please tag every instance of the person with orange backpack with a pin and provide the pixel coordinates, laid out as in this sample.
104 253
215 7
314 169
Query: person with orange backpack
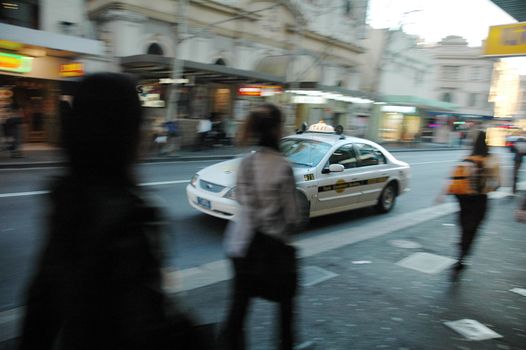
472 179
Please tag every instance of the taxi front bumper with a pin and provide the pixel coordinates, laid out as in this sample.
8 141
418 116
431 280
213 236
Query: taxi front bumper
212 204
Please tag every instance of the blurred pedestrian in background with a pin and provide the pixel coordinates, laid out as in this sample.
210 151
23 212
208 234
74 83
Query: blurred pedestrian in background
264 264
13 127
98 281
519 151
472 180
203 128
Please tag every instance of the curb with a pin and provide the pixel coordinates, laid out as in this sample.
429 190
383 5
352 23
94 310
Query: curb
187 158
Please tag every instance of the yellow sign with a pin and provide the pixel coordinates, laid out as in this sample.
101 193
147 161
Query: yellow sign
74 69
506 40
15 63
10 45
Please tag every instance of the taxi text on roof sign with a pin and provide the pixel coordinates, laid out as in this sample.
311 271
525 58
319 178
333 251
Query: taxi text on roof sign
321 127
506 40
15 63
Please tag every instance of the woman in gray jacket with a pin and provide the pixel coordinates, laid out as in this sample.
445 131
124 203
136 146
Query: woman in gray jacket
266 191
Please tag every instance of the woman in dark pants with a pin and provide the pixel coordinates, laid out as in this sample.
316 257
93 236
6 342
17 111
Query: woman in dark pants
266 191
473 207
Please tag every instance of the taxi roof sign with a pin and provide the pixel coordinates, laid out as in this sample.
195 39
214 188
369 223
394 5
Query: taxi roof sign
321 127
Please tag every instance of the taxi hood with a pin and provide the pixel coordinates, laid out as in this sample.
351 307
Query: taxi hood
223 173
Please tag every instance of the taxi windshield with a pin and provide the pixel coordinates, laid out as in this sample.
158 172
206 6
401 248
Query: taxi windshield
306 153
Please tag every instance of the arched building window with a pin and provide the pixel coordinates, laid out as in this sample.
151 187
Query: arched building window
220 62
447 97
155 49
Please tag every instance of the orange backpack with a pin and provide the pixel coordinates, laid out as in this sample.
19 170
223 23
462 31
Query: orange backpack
467 178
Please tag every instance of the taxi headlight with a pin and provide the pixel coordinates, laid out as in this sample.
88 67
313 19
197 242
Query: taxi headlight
193 182
231 194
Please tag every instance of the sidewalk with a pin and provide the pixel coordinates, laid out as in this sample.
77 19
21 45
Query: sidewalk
43 155
366 296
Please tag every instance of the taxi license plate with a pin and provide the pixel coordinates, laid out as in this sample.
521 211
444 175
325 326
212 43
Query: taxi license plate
205 203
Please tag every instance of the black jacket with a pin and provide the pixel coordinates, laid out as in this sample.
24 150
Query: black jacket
98 282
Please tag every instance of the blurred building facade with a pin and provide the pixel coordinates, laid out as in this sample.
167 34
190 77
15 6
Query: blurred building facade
462 76
399 69
44 46
236 53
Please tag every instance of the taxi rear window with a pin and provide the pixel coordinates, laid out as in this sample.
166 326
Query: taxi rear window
306 153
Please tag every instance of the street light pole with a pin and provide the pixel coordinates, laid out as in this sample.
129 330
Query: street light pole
177 64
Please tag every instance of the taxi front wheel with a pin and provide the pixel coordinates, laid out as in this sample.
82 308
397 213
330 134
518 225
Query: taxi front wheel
387 199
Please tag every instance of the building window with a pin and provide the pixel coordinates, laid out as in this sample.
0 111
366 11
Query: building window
23 13
155 49
473 97
447 97
451 72
419 77
347 8
475 73
220 62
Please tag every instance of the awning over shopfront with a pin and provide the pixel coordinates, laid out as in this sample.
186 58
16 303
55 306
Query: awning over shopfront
461 115
291 67
155 66
39 38
419 102
515 8
345 94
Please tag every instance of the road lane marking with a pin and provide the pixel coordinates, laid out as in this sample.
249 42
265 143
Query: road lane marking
140 164
161 183
22 194
145 184
436 162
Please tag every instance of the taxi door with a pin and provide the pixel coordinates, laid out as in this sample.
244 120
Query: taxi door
374 172
338 189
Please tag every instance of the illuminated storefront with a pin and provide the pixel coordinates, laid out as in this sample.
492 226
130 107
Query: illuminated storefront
38 68
409 119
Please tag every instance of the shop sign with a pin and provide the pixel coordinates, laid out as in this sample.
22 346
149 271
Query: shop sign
259 90
309 99
399 109
506 40
15 63
10 45
74 69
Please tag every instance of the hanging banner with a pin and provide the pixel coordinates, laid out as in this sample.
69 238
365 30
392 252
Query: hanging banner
506 40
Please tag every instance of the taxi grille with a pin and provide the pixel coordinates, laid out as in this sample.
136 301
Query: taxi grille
208 186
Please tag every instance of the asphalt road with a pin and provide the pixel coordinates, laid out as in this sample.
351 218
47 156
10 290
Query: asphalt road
195 238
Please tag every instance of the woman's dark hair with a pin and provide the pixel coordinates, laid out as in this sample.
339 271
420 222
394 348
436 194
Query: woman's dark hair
480 148
262 127
101 132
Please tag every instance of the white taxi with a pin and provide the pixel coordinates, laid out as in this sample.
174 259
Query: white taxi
333 172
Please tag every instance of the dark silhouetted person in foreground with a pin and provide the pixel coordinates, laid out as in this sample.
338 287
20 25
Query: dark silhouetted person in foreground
98 281
482 177
263 262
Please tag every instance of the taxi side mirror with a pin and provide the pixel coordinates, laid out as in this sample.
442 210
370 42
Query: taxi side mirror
333 168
